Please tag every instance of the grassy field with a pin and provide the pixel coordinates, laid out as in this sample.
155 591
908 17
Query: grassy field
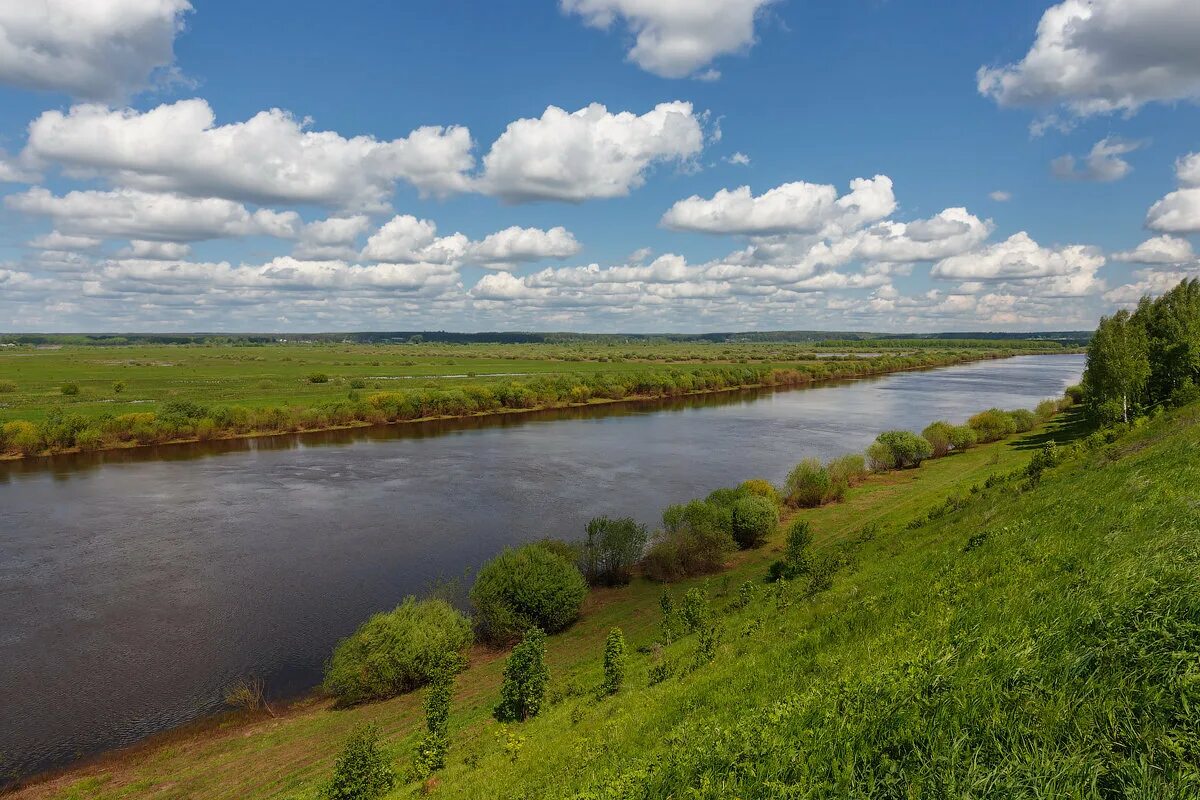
1034 641
63 398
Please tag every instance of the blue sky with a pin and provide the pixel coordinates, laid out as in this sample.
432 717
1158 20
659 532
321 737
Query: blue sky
1022 165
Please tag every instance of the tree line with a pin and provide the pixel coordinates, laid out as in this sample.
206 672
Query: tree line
1145 360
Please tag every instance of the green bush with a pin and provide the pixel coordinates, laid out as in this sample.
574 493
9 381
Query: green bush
760 487
1046 409
940 434
692 542
362 771
527 587
962 438
435 743
844 472
904 449
992 425
7 387
797 558
397 651
754 518
318 377
614 662
612 548
525 679
69 389
1023 419
807 484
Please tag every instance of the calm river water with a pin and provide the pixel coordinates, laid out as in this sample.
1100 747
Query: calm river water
135 585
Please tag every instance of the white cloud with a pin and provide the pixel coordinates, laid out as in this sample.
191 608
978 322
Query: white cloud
1000 196
790 208
1179 211
1159 250
158 251
133 214
270 158
1103 163
94 49
1100 56
406 239
1149 282
1068 271
514 245
588 154
738 159
676 38
331 238
11 172
61 241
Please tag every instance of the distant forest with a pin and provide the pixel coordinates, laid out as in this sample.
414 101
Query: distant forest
832 338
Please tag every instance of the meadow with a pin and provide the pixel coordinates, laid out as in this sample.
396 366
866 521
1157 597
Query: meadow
62 397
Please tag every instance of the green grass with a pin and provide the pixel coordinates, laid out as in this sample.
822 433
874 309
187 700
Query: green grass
1038 642
275 375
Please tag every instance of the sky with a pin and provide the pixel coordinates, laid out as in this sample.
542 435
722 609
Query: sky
594 165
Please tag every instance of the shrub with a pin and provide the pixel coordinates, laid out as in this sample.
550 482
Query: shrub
118 387
612 547
69 389
1187 392
433 746
760 487
807 483
22 436
567 551
939 434
693 611
797 559
362 771
992 425
1046 409
358 383
7 387
1023 420
754 518
397 651
525 679
527 587
318 377
880 457
844 472
693 542
904 448
614 662
1075 394
962 437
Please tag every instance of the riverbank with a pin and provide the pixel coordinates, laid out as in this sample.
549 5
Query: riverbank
286 756
191 421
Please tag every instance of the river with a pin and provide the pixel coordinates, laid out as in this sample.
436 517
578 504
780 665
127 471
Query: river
136 585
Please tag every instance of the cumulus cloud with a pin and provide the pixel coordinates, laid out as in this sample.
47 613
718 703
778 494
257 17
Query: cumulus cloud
56 240
590 153
97 50
1000 196
1179 211
270 158
332 238
1059 271
134 214
1159 250
1100 56
406 239
676 38
790 208
514 245
1148 282
738 159
159 251
1103 163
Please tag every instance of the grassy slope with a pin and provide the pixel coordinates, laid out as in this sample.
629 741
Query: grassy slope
910 591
